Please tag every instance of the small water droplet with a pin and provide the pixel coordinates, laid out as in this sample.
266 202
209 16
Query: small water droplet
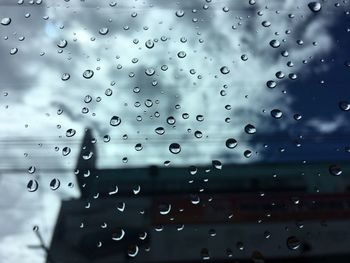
344 105
250 129
103 31
70 132
180 13
275 43
276 113
118 235
335 170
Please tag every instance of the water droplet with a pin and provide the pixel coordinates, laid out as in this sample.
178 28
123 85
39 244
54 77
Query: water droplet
250 129
240 246
164 209
118 235
224 70
62 43
344 105
13 51
138 147
275 43
247 153
149 44
66 151
133 250
335 170
70 132
55 184
198 134
150 71
175 148
271 84
231 143
31 169
315 6
103 31
32 185
266 23
181 54
180 13
244 57
205 254
160 130
216 164
171 120
88 74
115 121
293 243
65 76
276 113
6 21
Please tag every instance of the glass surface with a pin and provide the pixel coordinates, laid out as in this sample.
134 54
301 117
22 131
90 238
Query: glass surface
174 131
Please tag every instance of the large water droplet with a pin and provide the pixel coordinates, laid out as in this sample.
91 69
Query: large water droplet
217 164
6 21
224 70
293 243
276 113
164 209
133 250
231 143
335 170
115 121
180 13
103 31
175 148
118 235
55 184
62 43
315 6
160 130
344 105
250 129
275 43
70 132
32 185
88 74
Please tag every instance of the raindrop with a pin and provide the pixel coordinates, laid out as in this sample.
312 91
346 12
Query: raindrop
275 43
62 43
31 169
271 84
160 130
175 148
293 243
66 151
6 21
180 13
117 236
217 164
88 74
266 23
181 54
149 44
224 70
244 57
138 147
205 254
65 76
32 185
171 120
103 31
115 121
231 143
150 71
247 153
250 129
344 105
70 132
315 6
13 51
335 170
276 113
164 209
133 250
55 184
